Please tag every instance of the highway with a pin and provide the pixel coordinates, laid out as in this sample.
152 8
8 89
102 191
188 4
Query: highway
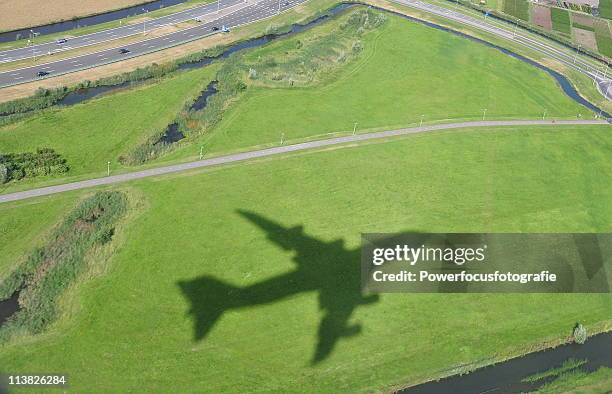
231 17
282 149
236 13
127 30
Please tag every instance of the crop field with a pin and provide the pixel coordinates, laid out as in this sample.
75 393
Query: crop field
26 13
605 9
561 20
382 87
517 8
227 276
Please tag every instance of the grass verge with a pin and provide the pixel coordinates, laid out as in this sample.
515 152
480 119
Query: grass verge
144 312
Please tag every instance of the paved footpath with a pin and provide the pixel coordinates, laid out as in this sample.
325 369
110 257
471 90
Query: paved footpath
43 191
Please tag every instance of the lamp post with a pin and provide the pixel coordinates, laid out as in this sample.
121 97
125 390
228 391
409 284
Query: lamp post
354 128
421 123
484 113
144 24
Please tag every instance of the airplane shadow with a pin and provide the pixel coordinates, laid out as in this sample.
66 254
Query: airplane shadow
325 267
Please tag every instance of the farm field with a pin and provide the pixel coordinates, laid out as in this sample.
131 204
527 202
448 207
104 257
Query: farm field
517 8
27 13
200 240
459 78
561 20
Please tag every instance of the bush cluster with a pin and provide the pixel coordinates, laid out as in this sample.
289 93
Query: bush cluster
45 161
50 269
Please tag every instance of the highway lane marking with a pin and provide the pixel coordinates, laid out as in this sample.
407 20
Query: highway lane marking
205 32
18 78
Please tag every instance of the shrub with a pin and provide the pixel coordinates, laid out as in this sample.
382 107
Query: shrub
580 334
44 161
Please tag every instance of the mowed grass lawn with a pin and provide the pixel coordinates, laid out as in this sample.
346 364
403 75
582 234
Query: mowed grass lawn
407 70
89 135
131 329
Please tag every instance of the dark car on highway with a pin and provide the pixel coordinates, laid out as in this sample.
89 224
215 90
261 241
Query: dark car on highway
61 41
215 28
42 73
123 51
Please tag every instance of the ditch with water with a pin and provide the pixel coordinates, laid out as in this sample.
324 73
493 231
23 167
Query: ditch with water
509 376
85 94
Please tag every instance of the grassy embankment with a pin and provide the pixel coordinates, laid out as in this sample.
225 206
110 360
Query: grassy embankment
405 70
132 329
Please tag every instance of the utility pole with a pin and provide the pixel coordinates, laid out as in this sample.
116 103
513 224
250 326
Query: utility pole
544 115
201 152
484 113
421 124
282 138
108 169
354 128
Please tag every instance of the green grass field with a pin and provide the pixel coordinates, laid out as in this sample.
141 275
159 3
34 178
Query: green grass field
206 243
407 70
416 71
517 8
561 20
89 135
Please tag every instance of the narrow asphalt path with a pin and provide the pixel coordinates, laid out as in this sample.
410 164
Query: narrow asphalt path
44 191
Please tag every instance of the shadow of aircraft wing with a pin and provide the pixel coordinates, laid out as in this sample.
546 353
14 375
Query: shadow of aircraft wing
328 268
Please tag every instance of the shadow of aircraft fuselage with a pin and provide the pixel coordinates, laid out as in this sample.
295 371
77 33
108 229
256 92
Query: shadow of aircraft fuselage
326 267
